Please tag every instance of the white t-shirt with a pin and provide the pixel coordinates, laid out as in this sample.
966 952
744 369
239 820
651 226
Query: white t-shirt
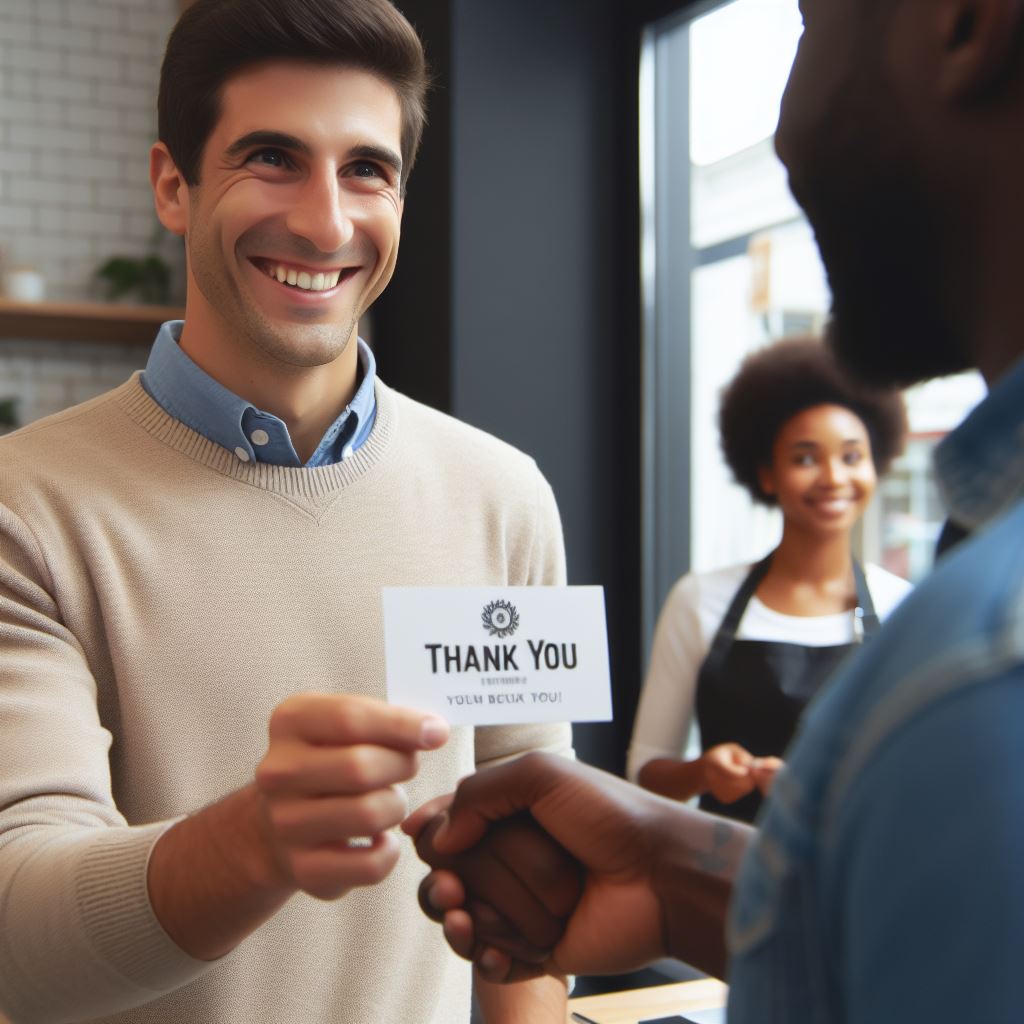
689 619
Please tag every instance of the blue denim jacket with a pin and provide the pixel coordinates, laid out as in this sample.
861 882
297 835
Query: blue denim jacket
887 884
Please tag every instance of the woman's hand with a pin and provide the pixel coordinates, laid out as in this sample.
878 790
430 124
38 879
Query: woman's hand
728 771
764 770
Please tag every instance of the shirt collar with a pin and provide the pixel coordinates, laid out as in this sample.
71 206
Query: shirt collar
980 464
191 395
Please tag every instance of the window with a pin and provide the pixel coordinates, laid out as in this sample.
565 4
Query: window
729 264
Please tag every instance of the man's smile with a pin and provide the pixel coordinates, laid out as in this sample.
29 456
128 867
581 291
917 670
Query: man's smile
303 278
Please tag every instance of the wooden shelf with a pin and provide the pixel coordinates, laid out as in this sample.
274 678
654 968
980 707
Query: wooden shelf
84 321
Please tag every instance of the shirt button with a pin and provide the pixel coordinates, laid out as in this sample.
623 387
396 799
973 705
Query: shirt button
242 454
260 437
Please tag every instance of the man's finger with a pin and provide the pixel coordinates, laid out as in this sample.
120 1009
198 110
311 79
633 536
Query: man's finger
415 823
506 882
348 720
492 964
495 966
458 930
493 929
494 794
328 872
516 910
555 878
321 820
440 892
294 767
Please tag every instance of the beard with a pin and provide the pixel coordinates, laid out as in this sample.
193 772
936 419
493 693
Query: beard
303 342
882 238
881 248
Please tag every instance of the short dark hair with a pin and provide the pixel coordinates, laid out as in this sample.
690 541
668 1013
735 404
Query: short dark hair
779 381
216 39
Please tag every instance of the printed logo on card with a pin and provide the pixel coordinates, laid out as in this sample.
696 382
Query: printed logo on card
500 618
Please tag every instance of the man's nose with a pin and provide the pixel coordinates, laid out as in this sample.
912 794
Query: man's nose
319 214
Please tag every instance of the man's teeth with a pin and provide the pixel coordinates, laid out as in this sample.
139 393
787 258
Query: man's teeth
318 282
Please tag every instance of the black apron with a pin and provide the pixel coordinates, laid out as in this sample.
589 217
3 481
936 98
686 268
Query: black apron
753 692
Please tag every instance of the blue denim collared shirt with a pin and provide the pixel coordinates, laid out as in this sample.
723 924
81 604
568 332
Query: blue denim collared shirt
887 883
191 395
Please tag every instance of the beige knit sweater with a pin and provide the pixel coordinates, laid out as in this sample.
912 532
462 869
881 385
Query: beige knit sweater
158 598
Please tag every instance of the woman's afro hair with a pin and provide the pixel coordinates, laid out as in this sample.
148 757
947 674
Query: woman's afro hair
779 381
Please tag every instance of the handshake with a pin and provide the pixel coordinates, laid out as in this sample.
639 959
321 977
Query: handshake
548 866
539 865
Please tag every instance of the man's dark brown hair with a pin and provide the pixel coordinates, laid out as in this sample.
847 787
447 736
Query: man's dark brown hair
216 39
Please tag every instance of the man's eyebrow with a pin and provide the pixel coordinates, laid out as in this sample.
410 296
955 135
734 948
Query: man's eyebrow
381 154
280 140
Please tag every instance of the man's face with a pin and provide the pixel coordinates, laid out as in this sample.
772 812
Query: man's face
847 137
294 225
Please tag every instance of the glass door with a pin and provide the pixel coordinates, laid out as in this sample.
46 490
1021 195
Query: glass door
729 264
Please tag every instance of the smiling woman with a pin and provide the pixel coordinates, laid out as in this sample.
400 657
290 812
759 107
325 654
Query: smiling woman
747 647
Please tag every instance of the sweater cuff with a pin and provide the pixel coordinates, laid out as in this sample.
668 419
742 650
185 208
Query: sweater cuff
80 939
112 894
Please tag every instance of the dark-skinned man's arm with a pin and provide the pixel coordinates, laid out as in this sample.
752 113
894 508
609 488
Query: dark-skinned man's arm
657 876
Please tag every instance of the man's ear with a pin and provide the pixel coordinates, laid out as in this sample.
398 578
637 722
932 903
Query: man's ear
170 191
979 40
766 479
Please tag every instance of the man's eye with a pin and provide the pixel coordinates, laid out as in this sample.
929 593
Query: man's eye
365 170
269 158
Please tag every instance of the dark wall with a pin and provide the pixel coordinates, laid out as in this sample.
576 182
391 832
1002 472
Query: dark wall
412 320
537 347
516 306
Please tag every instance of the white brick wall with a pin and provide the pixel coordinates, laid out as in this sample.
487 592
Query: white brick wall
47 376
78 81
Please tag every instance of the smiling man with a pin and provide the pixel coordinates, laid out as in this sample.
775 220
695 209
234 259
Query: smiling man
196 558
290 237
884 883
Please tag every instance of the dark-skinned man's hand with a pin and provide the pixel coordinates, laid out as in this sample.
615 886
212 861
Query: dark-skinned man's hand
657 875
517 887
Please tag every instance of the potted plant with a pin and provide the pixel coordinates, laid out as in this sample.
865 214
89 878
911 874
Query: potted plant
147 277
8 414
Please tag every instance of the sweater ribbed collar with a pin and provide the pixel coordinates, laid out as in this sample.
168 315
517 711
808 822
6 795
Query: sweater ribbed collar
312 485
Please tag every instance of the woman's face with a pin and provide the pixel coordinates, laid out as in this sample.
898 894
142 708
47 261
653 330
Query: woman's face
821 473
